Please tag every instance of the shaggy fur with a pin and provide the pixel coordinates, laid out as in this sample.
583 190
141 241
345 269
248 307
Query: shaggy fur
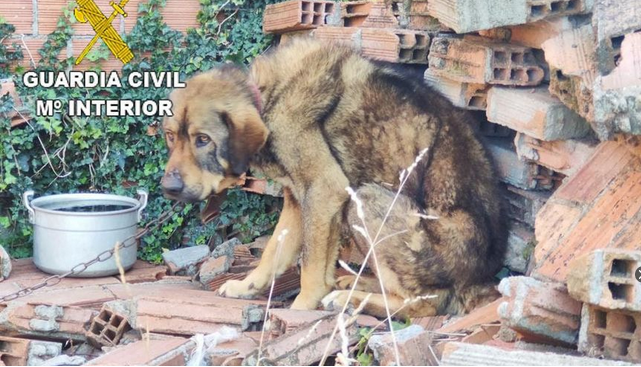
324 119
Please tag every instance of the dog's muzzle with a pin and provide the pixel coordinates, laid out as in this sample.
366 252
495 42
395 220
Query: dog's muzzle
172 183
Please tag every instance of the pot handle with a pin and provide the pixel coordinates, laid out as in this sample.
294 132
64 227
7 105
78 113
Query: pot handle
142 197
27 203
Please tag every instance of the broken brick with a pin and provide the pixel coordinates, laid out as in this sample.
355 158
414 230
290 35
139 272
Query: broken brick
366 14
284 321
466 16
263 186
213 267
563 156
464 95
534 34
231 353
185 260
606 278
542 310
413 347
107 328
393 45
534 112
43 320
482 315
523 205
464 354
13 351
478 60
296 15
596 208
610 333
512 170
573 52
164 352
306 345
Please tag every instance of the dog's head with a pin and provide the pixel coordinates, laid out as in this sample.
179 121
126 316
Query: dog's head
215 130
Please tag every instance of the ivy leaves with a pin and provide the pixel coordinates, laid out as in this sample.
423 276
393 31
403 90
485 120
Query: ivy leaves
118 155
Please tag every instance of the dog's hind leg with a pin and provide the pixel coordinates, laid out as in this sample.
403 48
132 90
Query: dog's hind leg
277 257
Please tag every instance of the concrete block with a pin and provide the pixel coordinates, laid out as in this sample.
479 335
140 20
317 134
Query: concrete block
606 278
478 60
542 310
185 260
611 23
464 95
43 320
5 264
65 360
523 205
393 45
165 352
466 16
412 343
520 245
562 156
598 207
41 351
296 15
534 112
107 328
463 354
610 333
515 172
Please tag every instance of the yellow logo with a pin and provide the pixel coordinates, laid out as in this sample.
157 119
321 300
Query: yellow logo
87 10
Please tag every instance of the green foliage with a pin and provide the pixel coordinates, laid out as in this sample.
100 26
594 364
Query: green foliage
105 154
363 355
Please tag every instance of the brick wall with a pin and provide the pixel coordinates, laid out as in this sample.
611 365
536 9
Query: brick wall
35 19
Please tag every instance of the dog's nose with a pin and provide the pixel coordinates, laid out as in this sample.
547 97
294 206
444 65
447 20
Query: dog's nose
172 183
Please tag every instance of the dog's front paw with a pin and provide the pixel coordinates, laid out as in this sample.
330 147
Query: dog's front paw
335 301
237 289
345 282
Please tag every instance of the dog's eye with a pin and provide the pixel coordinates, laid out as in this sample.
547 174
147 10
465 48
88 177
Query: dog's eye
169 136
202 140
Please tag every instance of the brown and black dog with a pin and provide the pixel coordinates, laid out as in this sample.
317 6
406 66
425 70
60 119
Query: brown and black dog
319 118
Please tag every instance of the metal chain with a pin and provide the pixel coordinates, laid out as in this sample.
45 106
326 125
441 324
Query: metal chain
103 256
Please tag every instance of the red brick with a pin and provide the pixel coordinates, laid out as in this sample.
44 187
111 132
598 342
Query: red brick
610 333
594 209
367 14
110 64
480 61
30 47
107 328
13 351
544 310
19 14
464 95
50 11
44 320
305 346
296 15
573 52
515 172
563 156
393 45
628 72
534 34
430 323
165 352
232 353
606 278
412 343
487 314
285 321
534 112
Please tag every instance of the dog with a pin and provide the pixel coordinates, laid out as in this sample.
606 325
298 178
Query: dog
319 118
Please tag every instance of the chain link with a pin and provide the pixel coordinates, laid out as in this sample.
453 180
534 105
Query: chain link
103 256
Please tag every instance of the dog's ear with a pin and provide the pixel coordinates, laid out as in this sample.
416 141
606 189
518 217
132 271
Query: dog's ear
247 134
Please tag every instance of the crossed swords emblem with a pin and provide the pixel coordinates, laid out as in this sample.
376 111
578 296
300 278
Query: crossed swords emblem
87 10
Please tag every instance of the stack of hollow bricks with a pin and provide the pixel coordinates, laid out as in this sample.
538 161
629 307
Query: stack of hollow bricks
555 87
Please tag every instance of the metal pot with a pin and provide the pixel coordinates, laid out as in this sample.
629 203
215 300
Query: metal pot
70 229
